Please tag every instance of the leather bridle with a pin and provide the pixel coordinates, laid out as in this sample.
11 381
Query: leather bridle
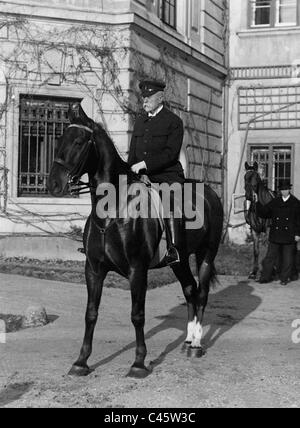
75 172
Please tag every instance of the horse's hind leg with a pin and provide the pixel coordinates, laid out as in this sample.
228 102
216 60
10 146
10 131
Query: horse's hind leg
189 287
138 285
206 272
94 287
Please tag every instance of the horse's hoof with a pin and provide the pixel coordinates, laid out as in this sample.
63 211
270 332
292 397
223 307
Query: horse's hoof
79 371
185 347
196 352
139 372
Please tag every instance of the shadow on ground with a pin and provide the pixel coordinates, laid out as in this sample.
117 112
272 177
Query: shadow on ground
14 392
226 308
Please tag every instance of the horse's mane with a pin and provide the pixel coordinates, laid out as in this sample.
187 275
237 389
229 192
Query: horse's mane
103 133
265 195
99 130
124 166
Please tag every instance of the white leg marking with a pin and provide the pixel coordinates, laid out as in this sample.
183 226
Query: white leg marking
198 333
190 330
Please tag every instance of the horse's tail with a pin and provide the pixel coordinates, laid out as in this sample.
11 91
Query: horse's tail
208 276
214 280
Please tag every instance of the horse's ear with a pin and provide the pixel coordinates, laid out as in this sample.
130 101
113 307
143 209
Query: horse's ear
71 113
247 167
85 119
255 166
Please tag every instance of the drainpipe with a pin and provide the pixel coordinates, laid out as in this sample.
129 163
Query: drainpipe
3 168
226 40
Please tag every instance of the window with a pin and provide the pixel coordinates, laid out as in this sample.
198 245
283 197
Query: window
167 12
42 122
275 107
275 163
286 12
271 13
261 12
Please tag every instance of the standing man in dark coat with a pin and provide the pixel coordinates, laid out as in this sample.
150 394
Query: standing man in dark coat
284 211
155 147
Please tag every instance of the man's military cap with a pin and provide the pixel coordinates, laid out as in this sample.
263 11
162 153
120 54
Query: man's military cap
150 87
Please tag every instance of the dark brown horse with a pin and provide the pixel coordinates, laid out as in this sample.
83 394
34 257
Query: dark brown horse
128 245
259 226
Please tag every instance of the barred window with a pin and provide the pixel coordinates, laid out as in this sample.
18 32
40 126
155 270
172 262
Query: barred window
271 13
275 161
273 107
167 12
42 122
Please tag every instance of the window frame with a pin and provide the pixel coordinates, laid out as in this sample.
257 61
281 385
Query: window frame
272 147
21 193
274 9
161 13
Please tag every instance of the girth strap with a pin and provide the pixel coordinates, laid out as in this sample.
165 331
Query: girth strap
102 231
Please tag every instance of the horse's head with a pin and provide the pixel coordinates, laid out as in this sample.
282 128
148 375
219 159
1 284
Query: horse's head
72 152
252 180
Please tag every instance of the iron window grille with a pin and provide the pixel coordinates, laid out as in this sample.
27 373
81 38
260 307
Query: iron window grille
42 121
168 12
274 13
279 104
275 163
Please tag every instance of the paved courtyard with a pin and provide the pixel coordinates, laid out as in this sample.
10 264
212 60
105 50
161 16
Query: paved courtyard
251 359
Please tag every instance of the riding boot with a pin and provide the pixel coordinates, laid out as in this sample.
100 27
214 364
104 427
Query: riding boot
172 255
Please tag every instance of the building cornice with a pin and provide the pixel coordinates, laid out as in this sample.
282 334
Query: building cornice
93 17
178 41
268 32
264 72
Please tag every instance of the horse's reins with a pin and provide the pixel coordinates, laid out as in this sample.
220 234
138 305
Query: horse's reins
80 187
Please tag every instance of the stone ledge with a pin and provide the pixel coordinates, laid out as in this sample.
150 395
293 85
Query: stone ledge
40 247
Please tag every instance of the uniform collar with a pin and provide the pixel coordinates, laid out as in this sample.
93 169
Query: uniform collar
155 113
286 199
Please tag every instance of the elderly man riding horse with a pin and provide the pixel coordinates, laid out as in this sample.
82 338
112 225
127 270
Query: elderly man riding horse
154 151
128 245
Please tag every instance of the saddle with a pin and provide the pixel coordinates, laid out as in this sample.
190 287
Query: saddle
190 213
139 200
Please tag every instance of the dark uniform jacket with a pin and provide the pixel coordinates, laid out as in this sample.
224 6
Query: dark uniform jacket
158 141
285 217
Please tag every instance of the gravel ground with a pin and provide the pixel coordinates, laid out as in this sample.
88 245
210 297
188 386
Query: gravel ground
251 360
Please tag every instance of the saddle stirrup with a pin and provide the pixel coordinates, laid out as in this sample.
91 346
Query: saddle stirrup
172 255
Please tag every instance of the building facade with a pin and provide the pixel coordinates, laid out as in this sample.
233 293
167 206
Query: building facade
263 99
57 52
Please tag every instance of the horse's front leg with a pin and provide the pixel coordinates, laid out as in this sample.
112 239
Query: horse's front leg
253 274
94 287
138 286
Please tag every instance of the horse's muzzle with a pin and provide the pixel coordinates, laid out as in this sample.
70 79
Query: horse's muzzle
57 183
